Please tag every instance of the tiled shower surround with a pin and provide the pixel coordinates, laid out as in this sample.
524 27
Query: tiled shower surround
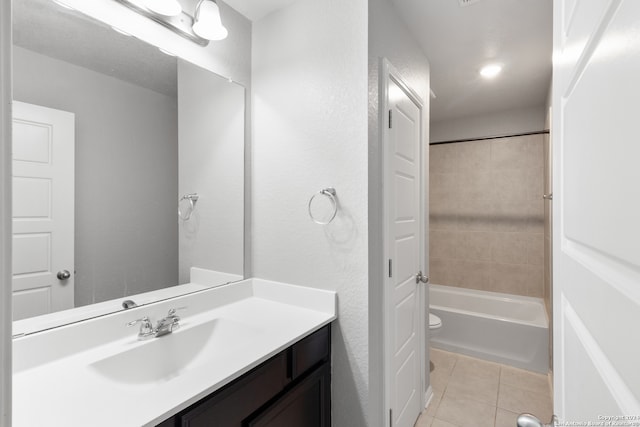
487 215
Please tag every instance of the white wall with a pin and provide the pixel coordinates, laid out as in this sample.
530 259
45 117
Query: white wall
493 124
211 164
5 214
126 175
310 132
388 37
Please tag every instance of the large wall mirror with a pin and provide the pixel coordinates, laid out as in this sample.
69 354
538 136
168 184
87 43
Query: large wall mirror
128 170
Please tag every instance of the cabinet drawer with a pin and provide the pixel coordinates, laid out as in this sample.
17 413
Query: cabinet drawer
307 404
310 351
228 407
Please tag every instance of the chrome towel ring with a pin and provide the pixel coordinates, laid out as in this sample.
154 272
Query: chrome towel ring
329 192
192 198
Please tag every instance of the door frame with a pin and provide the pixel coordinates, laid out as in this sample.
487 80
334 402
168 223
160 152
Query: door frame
388 73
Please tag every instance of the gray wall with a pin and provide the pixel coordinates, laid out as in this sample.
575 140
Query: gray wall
126 234
389 38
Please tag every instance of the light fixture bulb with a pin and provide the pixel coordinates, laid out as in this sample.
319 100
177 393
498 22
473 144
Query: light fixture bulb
490 71
164 7
208 24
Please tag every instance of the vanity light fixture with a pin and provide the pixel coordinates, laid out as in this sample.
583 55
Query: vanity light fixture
208 24
118 30
490 71
66 6
204 26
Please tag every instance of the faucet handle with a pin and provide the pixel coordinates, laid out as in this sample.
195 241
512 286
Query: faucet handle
172 311
146 328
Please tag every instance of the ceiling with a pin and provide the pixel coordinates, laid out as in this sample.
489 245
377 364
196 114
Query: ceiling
459 40
257 9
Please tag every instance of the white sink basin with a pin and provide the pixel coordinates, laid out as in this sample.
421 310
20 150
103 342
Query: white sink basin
161 359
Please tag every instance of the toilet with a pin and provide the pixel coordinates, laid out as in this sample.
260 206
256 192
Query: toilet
434 324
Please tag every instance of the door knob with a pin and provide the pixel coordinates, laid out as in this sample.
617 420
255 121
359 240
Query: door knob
421 278
528 420
63 275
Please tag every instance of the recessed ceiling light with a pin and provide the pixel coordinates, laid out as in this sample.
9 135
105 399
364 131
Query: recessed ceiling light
490 71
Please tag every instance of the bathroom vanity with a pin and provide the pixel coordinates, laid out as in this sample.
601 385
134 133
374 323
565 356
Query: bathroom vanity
254 353
292 388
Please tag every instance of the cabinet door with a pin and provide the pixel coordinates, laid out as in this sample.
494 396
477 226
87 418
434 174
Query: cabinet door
305 405
231 405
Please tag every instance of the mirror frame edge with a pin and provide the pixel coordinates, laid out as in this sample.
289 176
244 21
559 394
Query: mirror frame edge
6 322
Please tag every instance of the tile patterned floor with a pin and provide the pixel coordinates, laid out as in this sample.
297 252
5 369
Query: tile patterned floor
470 392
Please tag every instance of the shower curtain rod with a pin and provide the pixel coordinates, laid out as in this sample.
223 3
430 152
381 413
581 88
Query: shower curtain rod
454 141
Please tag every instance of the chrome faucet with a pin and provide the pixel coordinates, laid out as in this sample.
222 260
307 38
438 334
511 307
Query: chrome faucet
168 324
165 326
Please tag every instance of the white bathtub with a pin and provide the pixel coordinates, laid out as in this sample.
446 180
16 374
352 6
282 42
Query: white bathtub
503 328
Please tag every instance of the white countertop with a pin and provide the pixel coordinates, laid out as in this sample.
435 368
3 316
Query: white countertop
54 382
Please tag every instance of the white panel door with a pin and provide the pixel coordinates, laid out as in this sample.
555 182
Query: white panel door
43 209
596 212
404 234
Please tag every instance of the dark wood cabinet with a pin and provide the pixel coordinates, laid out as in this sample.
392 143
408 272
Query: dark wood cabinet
305 405
291 389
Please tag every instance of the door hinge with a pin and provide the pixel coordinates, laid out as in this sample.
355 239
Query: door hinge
390 417
390 268
390 118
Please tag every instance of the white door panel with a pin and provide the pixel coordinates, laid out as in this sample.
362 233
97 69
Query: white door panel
43 209
596 209
403 174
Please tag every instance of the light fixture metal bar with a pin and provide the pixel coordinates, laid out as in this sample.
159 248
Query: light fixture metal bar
181 24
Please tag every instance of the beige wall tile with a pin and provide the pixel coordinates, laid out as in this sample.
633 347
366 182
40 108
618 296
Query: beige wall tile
443 243
473 246
474 275
535 248
487 212
476 215
443 271
475 184
474 155
443 158
510 184
534 183
509 248
517 152
445 184
510 278
443 212
522 216
535 288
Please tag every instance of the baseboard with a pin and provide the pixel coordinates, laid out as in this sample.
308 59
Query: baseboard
428 396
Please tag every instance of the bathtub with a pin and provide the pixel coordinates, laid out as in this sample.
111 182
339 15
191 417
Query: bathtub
502 328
